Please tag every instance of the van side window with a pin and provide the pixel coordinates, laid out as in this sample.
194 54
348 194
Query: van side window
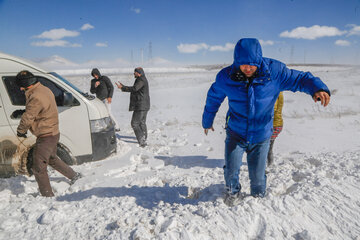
17 96
57 91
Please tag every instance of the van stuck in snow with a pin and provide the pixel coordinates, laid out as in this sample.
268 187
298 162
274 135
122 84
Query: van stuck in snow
87 132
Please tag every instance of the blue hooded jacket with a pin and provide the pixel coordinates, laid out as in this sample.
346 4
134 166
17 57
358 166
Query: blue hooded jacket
251 101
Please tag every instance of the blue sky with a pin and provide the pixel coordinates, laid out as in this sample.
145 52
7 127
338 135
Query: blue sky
184 31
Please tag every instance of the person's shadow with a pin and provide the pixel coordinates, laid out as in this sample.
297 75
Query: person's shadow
150 197
128 139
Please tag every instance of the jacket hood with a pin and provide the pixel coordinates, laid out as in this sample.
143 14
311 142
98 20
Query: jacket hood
247 52
140 70
95 71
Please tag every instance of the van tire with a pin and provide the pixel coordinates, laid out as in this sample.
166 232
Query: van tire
65 156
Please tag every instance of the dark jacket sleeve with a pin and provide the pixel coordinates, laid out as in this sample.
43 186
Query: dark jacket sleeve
137 86
109 86
92 86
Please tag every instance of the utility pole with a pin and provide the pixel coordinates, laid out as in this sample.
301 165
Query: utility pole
150 52
132 57
292 54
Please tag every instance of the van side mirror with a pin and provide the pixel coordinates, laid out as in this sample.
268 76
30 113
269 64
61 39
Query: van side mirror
68 99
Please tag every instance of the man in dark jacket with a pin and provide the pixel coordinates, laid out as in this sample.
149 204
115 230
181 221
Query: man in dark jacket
139 103
41 118
104 89
252 84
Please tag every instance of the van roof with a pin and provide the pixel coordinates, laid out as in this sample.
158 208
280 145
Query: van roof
22 61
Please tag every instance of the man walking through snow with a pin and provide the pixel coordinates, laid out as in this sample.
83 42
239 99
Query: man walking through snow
252 84
41 118
139 103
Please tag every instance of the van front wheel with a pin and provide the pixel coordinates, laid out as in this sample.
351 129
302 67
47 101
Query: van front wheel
65 156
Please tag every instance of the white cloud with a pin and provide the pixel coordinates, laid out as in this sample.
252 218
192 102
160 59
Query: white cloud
196 47
101 44
57 61
343 43
136 10
226 48
313 32
192 48
87 26
355 30
266 43
55 43
58 33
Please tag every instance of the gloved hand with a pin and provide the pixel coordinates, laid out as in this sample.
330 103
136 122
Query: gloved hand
21 135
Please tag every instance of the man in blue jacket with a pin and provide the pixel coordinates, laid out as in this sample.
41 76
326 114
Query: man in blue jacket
252 84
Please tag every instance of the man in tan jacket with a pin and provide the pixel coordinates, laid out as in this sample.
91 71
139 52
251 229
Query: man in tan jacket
41 118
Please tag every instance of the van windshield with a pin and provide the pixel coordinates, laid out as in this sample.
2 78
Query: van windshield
90 97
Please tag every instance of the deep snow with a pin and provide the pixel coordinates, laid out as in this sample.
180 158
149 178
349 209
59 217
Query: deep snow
173 188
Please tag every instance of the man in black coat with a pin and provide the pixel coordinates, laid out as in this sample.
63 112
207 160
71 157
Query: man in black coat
104 89
139 103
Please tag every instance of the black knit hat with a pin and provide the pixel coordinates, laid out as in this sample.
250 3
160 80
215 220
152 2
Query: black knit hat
139 70
25 79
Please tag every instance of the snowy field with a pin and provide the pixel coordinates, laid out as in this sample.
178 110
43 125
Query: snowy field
173 188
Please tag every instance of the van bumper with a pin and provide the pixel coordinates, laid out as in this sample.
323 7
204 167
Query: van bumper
103 145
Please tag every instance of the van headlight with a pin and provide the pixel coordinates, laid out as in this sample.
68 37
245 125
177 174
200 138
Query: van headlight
100 125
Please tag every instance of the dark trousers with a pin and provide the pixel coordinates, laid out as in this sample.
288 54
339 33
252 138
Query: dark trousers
44 155
138 123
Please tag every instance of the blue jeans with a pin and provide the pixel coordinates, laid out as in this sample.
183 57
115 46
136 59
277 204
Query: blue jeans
256 160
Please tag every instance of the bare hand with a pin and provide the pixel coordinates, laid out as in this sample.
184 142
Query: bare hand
109 100
119 85
206 130
323 97
97 83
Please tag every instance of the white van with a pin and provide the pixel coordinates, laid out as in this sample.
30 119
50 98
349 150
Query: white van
87 133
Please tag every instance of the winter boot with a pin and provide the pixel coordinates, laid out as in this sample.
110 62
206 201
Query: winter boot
232 199
142 142
75 178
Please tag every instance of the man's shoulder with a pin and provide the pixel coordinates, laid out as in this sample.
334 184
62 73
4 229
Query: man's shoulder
226 69
44 90
105 78
224 73
273 63
39 92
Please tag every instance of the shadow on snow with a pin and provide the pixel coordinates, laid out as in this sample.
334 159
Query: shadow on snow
150 197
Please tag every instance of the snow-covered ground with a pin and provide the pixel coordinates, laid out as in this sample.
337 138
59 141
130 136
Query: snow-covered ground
173 188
